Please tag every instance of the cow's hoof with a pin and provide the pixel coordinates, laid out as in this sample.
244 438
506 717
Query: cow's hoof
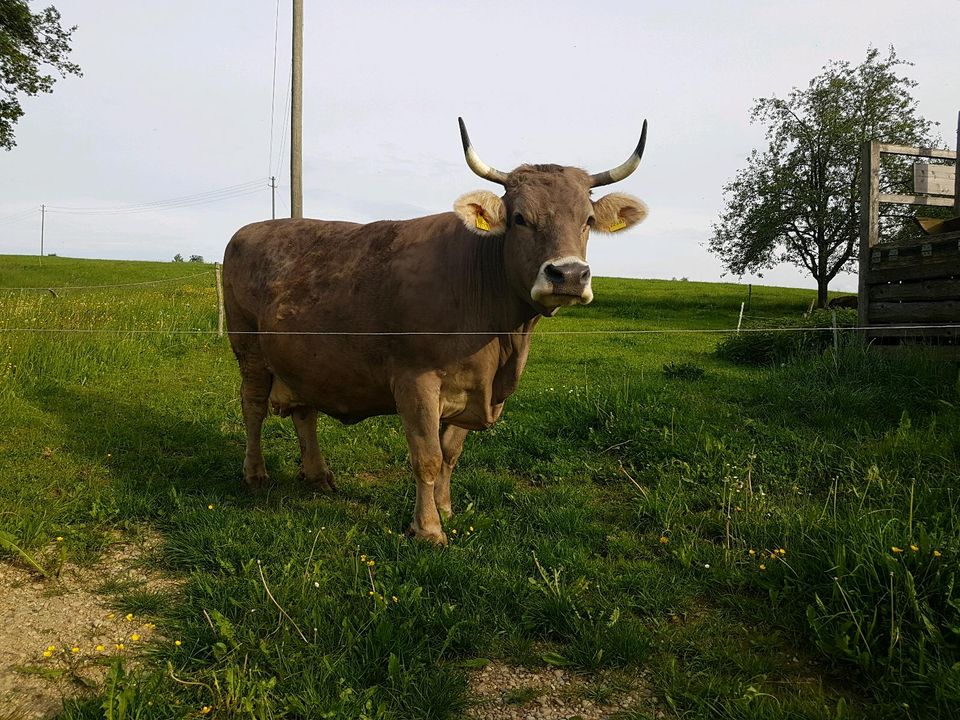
438 537
257 482
322 484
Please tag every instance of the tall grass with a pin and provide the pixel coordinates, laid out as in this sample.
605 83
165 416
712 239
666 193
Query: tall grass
605 525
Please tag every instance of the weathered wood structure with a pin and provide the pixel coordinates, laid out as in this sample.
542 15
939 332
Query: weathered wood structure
910 289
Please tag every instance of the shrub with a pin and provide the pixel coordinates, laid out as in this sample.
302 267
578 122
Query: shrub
778 340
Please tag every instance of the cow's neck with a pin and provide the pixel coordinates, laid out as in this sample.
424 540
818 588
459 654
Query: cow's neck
488 294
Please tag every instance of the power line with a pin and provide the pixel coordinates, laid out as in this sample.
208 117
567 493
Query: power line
220 194
285 125
19 217
273 94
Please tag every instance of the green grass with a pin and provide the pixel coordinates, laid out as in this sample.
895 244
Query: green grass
605 523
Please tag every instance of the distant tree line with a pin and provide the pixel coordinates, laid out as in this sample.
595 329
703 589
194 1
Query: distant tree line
193 258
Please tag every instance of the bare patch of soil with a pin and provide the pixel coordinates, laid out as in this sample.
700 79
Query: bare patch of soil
505 692
58 636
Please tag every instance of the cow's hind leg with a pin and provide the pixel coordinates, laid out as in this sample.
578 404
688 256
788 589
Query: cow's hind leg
314 468
254 395
451 444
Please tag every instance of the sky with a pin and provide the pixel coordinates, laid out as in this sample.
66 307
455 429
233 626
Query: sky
180 98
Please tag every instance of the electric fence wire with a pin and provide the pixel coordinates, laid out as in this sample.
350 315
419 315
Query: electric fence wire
486 333
47 288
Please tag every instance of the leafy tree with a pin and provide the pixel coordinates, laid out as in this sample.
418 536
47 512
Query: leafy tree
799 200
28 43
178 258
196 258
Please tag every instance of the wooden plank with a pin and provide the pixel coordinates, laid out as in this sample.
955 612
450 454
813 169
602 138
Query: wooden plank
931 269
912 291
933 179
909 330
929 313
956 178
891 199
890 149
869 218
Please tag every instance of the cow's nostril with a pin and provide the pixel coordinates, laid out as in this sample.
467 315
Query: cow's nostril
554 274
585 275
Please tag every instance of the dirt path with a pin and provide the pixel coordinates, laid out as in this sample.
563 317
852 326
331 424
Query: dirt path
58 636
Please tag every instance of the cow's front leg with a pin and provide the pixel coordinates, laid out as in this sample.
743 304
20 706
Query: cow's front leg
451 445
313 468
418 404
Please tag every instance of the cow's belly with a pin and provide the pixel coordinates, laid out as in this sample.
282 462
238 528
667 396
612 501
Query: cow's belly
341 378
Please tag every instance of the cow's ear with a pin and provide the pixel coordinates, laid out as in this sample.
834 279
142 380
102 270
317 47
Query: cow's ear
618 211
482 212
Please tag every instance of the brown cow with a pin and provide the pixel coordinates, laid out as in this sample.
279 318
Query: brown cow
428 318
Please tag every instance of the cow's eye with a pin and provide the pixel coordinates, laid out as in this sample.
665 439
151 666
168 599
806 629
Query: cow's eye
518 219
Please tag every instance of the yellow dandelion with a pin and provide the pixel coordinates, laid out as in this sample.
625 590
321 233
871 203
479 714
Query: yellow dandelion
135 637
664 539
370 563
119 646
895 550
110 616
99 648
936 553
370 593
914 548
205 710
752 552
74 649
178 643
128 617
51 648
59 538
395 598
782 552
210 506
47 653
762 566
454 531
150 626
471 528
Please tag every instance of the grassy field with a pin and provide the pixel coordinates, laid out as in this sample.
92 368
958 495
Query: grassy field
757 542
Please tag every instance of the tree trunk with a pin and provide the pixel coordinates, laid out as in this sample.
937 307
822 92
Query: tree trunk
823 282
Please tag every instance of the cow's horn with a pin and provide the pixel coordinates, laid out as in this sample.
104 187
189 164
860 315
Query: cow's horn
622 171
474 161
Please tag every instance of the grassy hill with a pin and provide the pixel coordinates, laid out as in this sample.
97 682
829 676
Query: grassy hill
737 542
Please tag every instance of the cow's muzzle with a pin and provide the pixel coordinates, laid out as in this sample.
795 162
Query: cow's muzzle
563 281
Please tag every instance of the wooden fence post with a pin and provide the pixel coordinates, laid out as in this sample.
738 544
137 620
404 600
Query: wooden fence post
220 314
869 223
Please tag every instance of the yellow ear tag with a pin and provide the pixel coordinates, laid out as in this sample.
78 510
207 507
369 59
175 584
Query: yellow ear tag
618 225
482 223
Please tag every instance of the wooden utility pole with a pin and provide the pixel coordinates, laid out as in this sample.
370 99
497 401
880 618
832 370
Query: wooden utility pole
296 115
273 197
43 217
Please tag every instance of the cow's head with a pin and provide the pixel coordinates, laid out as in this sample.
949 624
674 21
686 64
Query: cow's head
546 215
